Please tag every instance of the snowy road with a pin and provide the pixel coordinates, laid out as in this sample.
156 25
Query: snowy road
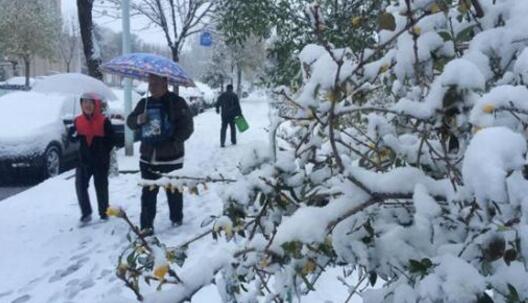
8 191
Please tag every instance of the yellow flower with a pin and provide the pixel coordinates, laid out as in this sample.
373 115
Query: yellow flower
114 212
488 108
161 271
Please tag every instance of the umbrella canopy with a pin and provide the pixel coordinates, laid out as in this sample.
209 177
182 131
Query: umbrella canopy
74 83
140 65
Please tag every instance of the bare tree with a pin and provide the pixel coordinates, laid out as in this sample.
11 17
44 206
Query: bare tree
90 46
27 29
178 19
68 42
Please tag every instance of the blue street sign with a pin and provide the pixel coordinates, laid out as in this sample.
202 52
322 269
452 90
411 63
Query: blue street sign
206 39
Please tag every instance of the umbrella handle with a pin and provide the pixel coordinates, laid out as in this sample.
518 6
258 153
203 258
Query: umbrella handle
146 100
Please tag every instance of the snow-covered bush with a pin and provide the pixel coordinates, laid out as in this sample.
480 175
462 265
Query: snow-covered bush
402 163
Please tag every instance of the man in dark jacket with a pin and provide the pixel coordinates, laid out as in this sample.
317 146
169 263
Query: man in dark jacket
96 136
230 106
165 122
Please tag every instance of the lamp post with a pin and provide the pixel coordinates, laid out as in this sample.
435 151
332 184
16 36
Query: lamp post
129 136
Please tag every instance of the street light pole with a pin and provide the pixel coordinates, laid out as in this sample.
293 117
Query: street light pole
129 136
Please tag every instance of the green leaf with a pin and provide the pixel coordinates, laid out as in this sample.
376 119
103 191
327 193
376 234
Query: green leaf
415 266
484 298
131 259
387 21
466 34
446 36
207 221
427 263
513 296
372 278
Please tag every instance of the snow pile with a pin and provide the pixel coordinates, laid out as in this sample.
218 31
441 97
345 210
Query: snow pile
490 157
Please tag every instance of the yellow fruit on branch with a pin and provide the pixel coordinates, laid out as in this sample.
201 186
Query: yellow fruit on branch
309 267
114 212
416 30
161 271
488 108
264 263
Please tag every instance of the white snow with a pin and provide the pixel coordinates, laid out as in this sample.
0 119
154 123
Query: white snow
490 156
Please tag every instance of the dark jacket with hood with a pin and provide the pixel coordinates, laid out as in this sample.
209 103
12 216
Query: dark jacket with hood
228 102
95 135
172 150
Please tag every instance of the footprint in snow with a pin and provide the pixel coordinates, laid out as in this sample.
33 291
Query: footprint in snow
76 286
22 299
51 261
6 293
61 273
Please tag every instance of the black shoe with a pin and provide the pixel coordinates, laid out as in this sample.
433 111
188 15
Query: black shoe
86 218
104 217
147 232
222 145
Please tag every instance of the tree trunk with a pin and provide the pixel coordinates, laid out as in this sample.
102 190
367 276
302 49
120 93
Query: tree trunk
27 69
239 80
93 60
175 58
15 70
68 67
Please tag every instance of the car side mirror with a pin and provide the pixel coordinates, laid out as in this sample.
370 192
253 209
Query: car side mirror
67 119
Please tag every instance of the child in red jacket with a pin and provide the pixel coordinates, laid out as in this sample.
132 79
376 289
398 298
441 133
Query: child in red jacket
95 135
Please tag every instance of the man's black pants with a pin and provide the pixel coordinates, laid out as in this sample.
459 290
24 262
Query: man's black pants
231 123
149 195
83 173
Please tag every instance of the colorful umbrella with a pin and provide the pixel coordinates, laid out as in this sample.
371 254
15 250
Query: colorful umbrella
140 65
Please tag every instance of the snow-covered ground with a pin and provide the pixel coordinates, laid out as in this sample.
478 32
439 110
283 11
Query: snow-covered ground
46 257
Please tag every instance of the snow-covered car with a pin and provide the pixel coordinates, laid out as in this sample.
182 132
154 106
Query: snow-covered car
33 133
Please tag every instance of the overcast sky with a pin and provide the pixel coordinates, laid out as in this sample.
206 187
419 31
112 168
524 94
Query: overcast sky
152 36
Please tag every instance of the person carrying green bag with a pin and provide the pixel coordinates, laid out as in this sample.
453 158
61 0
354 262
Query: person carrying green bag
231 114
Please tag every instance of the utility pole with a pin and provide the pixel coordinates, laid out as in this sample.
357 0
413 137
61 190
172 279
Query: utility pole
129 135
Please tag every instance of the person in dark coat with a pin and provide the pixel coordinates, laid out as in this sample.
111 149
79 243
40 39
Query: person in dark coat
230 108
96 137
165 122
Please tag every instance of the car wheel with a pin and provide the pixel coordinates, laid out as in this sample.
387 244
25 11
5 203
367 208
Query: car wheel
52 161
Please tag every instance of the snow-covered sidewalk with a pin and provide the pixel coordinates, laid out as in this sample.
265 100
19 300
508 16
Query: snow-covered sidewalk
46 257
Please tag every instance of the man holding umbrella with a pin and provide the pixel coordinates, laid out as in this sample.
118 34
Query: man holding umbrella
165 123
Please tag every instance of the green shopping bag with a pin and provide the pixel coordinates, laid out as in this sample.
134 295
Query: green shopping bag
241 123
